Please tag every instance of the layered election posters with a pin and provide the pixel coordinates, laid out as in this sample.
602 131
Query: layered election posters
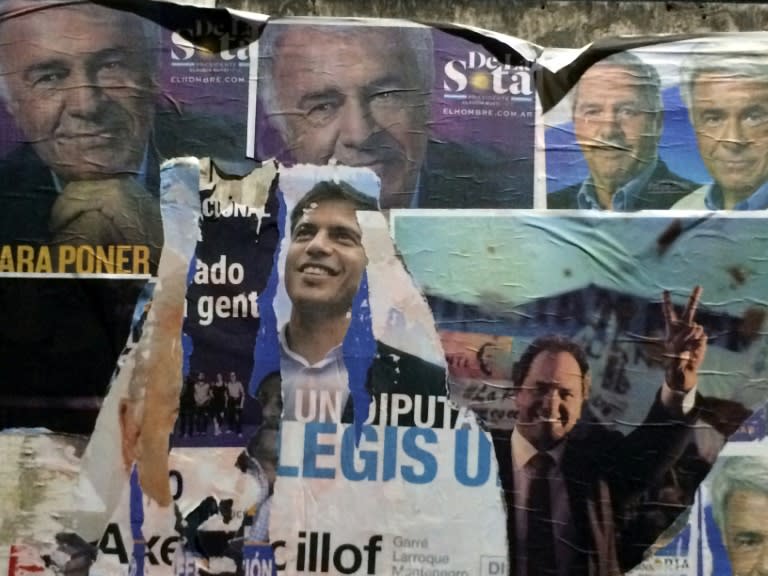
608 305
429 112
270 304
723 533
679 128
366 417
82 142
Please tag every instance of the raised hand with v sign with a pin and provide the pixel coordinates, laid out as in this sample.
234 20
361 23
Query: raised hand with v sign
685 343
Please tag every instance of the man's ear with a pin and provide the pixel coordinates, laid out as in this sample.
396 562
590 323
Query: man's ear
586 385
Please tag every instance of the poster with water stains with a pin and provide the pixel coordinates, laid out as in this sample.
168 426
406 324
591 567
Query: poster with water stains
255 322
606 306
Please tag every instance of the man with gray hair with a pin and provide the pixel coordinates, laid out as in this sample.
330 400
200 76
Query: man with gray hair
78 80
359 95
617 121
740 508
725 88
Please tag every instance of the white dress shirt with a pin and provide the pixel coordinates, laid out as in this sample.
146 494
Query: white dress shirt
313 392
522 452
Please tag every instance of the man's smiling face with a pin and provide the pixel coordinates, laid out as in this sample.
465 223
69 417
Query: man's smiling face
356 98
84 99
325 260
550 399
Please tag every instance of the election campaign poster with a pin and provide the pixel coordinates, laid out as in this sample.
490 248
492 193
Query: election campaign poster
274 300
82 139
656 125
606 310
428 111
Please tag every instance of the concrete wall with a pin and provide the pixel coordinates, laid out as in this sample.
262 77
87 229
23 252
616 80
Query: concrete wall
563 24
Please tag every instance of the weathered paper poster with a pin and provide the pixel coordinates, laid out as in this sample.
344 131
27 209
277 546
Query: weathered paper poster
428 111
366 422
657 125
272 300
618 299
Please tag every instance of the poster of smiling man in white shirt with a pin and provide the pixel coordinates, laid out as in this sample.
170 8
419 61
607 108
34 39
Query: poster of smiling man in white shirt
395 452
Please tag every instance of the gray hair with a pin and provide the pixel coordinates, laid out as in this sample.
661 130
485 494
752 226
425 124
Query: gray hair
748 60
148 30
413 40
649 82
749 473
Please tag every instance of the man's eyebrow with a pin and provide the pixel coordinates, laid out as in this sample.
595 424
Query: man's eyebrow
43 67
386 82
754 108
319 96
347 229
627 102
110 53
712 108
589 104
550 382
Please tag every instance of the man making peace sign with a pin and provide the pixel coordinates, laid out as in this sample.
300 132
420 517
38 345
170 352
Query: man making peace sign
569 485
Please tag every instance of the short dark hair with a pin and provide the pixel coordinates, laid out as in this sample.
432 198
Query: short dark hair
327 190
554 344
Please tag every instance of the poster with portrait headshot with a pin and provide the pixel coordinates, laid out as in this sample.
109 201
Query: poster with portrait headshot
681 127
342 321
365 419
619 139
67 212
429 110
732 504
632 363
86 123
98 122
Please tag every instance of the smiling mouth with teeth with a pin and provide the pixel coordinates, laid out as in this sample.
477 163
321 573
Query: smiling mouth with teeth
553 420
316 270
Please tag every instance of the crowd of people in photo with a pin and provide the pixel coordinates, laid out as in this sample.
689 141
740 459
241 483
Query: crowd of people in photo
211 405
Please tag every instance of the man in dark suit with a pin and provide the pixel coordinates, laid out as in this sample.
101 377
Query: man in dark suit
617 121
568 485
360 96
79 81
324 267
84 102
